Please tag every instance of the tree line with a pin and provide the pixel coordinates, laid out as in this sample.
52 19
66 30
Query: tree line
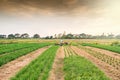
19 36
88 36
61 36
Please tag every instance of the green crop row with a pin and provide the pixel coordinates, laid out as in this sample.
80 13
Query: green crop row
79 68
6 48
106 47
18 53
39 68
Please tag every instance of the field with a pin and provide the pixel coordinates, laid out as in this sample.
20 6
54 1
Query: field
40 59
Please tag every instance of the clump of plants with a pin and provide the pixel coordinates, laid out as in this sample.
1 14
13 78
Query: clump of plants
116 43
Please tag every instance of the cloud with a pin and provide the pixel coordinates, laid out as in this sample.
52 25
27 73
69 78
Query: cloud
49 7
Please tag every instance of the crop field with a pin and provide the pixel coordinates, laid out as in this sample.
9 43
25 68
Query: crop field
28 59
10 52
79 68
39 68
107 47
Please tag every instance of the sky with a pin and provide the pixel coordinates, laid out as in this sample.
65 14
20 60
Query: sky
49 17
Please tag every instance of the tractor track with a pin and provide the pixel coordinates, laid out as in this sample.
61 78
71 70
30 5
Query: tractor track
56 72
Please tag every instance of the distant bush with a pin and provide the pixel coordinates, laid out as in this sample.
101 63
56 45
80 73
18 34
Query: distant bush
116 43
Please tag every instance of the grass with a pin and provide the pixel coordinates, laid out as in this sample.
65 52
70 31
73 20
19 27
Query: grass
39 68
106 47
79 68
10 41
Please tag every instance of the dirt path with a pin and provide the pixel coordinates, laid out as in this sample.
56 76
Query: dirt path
109 53
106 68
10 69
57 69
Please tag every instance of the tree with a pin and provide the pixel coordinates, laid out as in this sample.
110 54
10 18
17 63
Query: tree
47 37
51 37
2 36
110 36
17 35
11 36
25 35
118 36
36 36
103 36
69 36
82 36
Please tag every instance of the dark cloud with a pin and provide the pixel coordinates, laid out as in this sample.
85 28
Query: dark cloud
56 6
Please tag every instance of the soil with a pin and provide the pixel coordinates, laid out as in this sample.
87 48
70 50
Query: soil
10 69
56 72
109 71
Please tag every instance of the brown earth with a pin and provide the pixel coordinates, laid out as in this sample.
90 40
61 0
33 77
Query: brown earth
106 68
109 53
10 69
56 72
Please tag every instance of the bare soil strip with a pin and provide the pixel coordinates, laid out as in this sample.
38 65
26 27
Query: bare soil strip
106 68
57 69
10 69
109 53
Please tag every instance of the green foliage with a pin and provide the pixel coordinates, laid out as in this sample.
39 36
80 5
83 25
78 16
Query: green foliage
25 36
79 68
116 43
11 36
106 47
15 53
36 36
39 68
2 36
